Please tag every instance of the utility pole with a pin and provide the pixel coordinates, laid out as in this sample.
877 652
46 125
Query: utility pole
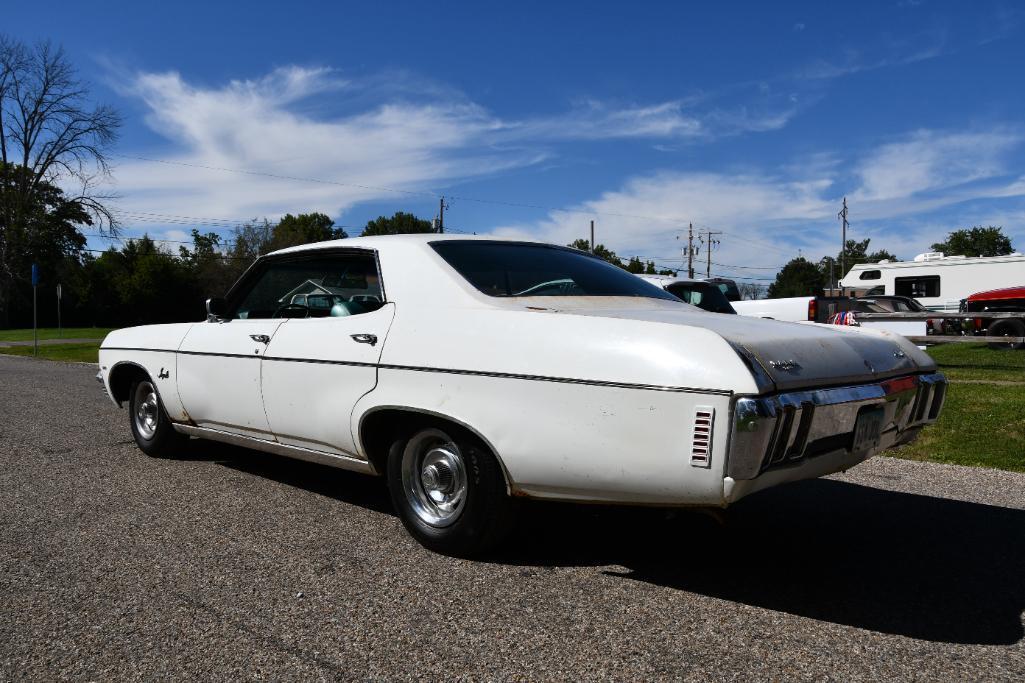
441 214
592 236
842 216
712 243
690 251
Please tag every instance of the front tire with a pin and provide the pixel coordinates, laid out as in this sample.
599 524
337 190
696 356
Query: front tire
449 492
151 427
1010 327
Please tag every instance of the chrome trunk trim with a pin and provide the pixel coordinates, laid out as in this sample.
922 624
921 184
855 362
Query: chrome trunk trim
779 430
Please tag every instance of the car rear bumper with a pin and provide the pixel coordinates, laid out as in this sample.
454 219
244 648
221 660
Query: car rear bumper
802 432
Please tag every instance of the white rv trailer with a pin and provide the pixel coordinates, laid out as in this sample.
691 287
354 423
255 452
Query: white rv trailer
939 282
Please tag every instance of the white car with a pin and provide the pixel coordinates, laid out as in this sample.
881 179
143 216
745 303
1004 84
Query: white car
472 371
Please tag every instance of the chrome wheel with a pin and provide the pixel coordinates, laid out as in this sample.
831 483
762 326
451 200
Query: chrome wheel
147 410
434 478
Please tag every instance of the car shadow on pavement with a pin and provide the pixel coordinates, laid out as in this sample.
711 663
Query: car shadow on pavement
341 485
923 567
918 566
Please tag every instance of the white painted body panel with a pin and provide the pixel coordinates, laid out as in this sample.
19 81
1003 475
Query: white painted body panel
581 398
307 397
789 309
222 390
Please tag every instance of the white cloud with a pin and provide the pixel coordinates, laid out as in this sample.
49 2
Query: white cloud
277 125
256 125
929 160
905 195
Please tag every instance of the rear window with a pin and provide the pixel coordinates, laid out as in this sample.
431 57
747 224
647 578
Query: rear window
515 269
707 296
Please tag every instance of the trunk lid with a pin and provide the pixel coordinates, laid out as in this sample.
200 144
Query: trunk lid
792 355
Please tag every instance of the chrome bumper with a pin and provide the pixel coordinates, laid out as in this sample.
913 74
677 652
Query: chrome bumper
781 430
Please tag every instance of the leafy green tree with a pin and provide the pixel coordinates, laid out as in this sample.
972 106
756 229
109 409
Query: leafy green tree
600 250
799 277
400 223
305 228
635 265
977 241
45 233
49 134
855 252
209 267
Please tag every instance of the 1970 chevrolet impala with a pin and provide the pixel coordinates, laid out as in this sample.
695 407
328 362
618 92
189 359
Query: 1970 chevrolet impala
470 371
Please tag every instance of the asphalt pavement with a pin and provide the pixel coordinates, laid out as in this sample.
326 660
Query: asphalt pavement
230 564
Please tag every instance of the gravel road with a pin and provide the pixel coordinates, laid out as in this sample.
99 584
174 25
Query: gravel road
232 564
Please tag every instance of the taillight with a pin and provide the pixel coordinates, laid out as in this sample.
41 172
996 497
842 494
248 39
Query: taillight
978 324
813 309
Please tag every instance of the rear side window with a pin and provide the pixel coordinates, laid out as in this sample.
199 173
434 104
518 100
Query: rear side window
517 269
915 287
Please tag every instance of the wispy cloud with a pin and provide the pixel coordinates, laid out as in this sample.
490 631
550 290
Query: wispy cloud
385 137
931 160
904 194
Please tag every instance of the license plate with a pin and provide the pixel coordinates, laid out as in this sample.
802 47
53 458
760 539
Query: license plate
868 429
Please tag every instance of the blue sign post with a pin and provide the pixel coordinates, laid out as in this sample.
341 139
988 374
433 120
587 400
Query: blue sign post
35 333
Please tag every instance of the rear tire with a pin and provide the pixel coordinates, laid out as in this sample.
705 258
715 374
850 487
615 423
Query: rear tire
152 429
1010 327
449 491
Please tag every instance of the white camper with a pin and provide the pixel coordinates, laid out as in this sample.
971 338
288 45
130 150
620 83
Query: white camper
939 282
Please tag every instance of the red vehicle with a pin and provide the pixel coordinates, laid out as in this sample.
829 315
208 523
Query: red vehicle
1007 300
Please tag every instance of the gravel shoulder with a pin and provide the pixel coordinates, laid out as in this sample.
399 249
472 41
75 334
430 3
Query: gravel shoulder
230 563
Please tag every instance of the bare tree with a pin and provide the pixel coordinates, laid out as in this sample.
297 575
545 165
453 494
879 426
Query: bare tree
49 135
750 290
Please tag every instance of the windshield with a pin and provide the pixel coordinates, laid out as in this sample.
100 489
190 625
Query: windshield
513 269
704 295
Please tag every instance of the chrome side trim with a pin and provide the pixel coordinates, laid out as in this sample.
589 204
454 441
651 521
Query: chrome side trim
344 462
448 371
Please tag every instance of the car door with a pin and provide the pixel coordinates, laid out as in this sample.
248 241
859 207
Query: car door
317 366
219 375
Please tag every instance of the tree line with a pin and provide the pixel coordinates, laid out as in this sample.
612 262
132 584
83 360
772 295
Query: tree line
144 281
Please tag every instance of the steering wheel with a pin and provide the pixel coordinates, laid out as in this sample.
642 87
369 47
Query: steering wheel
305 310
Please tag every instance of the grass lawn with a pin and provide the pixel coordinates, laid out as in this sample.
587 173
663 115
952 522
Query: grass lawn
51 333
983 420
86 353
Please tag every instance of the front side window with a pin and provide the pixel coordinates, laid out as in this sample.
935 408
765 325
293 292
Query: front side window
517 269
915 287
314 287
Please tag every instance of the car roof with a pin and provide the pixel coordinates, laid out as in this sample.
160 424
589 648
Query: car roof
379 241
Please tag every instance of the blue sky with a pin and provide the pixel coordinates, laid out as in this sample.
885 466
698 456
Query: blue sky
754 118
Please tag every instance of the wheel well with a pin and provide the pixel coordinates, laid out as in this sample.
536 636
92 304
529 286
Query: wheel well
379 430
121 377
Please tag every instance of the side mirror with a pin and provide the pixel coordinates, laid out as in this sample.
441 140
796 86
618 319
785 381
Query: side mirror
216 308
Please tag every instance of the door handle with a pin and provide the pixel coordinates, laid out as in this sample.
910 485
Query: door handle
262 338
365 338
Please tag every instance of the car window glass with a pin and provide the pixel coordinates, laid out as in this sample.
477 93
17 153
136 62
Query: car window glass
708 297
320 287
514 269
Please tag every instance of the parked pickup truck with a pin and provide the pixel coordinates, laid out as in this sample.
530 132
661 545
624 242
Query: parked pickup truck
817 309
1007 300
